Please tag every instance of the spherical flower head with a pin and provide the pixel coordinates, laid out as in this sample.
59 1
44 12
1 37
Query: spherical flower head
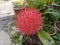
28 21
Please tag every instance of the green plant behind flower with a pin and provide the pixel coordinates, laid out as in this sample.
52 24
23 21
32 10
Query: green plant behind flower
39 4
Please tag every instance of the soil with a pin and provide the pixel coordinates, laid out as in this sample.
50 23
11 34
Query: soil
34 41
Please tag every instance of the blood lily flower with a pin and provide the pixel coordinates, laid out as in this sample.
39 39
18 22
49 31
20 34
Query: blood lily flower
28 20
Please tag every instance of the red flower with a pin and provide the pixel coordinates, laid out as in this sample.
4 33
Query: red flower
28 21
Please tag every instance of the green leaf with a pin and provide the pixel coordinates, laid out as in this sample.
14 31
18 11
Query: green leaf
39 4
57 36
56 1
56 14
45 38
56 5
